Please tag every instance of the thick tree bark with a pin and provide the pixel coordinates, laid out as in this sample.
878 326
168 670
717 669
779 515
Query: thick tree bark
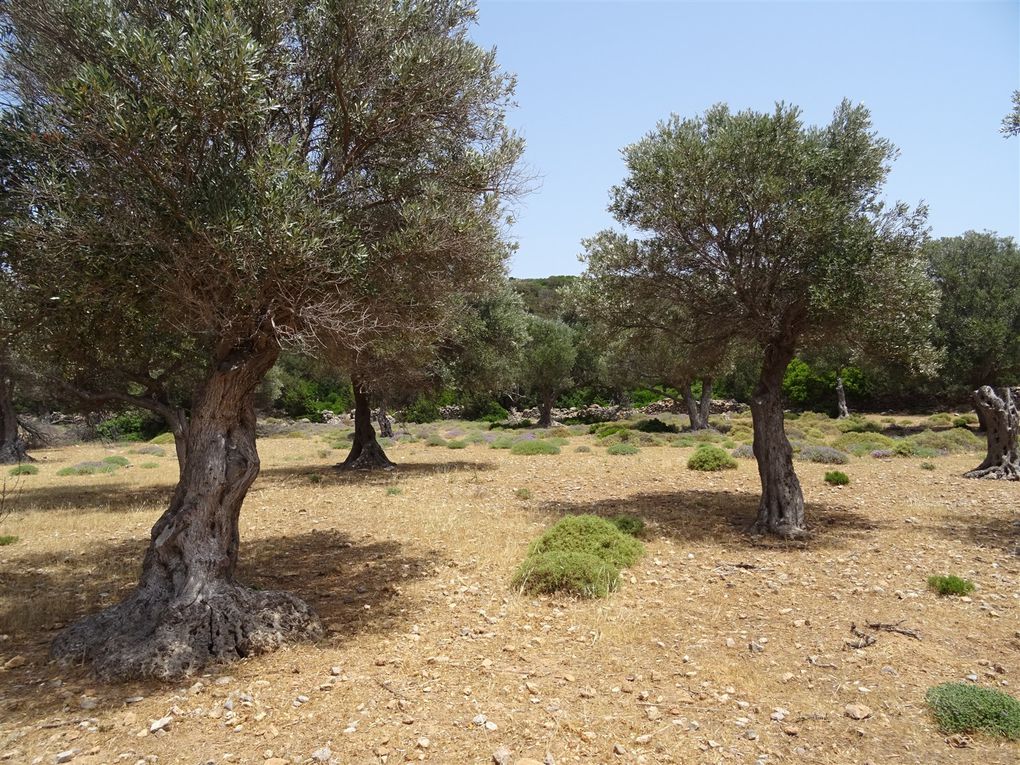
13 448
841 399
366 453
998 410
187 610
781 509
698 411
705 405
545 410
383 419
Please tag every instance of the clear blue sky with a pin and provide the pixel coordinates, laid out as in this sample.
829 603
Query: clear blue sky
596 76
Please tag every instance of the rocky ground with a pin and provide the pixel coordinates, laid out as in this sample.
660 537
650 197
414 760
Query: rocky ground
717 648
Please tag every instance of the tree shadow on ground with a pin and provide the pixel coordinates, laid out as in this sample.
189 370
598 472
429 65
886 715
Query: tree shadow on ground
1002 531
356 588
334 475
723 518
108 497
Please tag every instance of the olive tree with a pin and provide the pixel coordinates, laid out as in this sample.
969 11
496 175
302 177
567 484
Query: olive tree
247 177
768 231
547 361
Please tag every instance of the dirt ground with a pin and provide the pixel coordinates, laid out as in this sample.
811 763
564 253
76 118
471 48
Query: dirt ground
430 656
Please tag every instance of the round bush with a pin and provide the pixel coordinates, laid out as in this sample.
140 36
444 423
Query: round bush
963 708
116 459
591 535
575 573
24 469
837 478
534 447
622 449
824 455
456 444
629 524
708 457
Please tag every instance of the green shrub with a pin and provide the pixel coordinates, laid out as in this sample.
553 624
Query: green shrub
655 425
149 465
583 449
603 429
950 584
7 539
940 420
908 447
858 425
622 449
960 422
953 441
118 460
502 442
315 477
964 708
522 493
423 410
927 466
461 444
823 455
557 441
629 524
837 478
130 425
709 458
163 438
435 440
573 573
860 444
484 409
393 491
24 469
87 468
537 446
744 451
591 535
154 451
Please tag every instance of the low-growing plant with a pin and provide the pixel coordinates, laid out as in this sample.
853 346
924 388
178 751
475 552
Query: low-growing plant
435 440
966 708
537 446
592 535
163 438
837 478
859 425
118 460
87 468
709 457
152 450
950 584
457 444
149 465
522 493
629 524
881 454
744 451
393 491
573 573
502 442
860 444
583 449
823 455
7 539
655 425
315 478
24 469
618 450
927 466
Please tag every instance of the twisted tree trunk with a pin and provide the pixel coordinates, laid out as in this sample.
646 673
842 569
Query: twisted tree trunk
383 419
187 610
545 410
841 399
705 405
366 453
698 410
998 411
781 509
13 448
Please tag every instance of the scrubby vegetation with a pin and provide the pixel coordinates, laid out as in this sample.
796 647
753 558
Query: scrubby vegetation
622 449
950 584
837 478
966 708
537 446
24 469
708 457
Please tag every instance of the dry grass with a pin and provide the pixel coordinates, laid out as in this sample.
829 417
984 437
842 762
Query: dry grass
427 634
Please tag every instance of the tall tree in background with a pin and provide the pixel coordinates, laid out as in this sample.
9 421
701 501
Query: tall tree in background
547 361
1011 122
245 176
978 330
772 232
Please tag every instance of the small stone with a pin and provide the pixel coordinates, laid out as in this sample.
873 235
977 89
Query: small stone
653 713
788 676
67 755
751 735
323 754
857 711
490 725
972 677
731 643
501 756
779 715
755 647
799 622
160 724
618 749
643 738
224 680
88 702
791 730
15 661
423 743
335 671
479 719
588 735
587 693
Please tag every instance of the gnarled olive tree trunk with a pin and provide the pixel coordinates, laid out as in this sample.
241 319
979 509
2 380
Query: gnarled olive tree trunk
13 448
366 453
998 411
698 411
187 610
841 399
545 410
781 510
384 421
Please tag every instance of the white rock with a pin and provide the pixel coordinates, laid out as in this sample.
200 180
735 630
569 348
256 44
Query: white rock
323 754
160 724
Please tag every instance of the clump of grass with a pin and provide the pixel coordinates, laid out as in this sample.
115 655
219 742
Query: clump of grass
461 444
295 434
622 449
950 584
655 425
502 442
24 469
87 468
583 449
837 478
824 455
581 555
859 425
629 524
149 465
315 478
522 493
534 447
744 451
7 539
860 444
393 491
163 438
963 708
435 440
154 451
708 457
927 466
118 460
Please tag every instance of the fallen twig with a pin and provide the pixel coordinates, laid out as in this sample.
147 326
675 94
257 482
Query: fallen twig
895 628
863 638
